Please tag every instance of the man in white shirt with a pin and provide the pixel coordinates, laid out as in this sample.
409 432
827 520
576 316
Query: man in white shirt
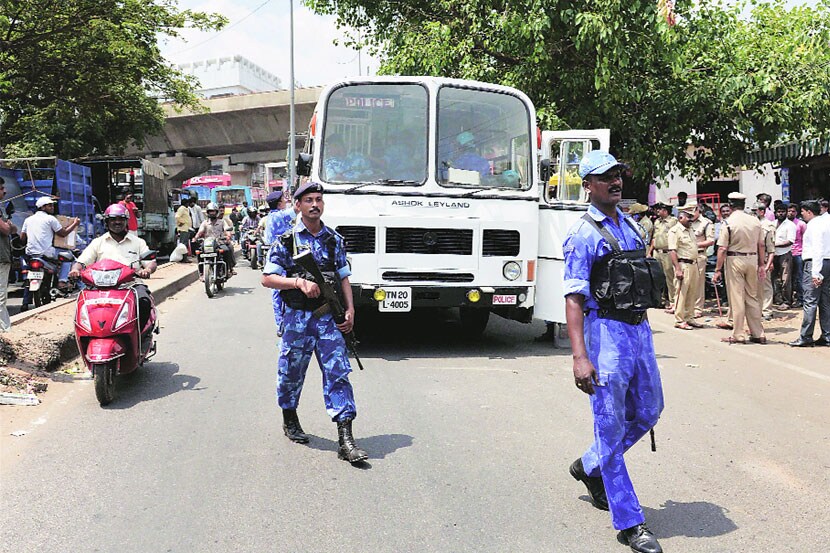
39 230
196 213
816 280
782 263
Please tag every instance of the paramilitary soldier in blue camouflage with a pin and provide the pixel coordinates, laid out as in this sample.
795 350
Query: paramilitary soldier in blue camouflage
308 326
279 220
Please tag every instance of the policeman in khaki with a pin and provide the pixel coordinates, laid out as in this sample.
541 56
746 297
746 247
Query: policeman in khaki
741 254
705 234
660 247
683 252
768 235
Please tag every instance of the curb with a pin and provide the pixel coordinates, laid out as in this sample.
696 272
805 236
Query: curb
55 348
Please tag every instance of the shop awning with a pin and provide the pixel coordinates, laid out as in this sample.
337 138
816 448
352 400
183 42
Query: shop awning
802 149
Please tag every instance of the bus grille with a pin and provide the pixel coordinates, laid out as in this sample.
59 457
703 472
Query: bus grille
400 276
358 239
446 241
498 243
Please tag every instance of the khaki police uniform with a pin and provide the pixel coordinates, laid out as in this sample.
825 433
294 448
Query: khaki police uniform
682 241
704 231
648 227
661 252
741 236
768 233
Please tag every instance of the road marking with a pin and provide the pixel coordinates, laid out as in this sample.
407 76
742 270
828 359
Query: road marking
745 351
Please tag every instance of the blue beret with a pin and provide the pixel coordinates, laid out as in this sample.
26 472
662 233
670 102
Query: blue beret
274 196
307 187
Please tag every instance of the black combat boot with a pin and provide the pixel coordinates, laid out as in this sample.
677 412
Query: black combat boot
348 449
594 484
640 539
291 426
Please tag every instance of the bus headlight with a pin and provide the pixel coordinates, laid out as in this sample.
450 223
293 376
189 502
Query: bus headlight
511 270
474 296
379 295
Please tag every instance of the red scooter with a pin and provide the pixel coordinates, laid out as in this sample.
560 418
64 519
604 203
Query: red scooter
107 325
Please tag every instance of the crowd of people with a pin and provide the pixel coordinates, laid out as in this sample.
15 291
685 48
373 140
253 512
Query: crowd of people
761 256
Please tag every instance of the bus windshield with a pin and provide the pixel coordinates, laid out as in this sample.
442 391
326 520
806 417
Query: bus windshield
375 133
483 139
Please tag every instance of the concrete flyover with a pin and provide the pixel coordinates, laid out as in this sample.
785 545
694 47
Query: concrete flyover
250 128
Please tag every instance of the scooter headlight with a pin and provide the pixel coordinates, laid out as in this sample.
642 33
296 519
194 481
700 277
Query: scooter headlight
83 318
106 279
123 316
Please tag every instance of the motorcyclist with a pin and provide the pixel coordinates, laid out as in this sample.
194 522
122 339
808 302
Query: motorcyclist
251 220
216 228
119 245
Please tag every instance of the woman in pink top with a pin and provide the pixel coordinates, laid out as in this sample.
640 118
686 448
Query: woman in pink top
798 264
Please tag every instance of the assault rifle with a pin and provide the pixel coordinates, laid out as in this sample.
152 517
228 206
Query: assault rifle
306 261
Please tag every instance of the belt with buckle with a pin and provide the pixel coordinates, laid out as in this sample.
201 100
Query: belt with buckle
661 250
740 254
624 316
683 260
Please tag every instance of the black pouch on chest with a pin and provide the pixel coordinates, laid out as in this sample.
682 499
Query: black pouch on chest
625 279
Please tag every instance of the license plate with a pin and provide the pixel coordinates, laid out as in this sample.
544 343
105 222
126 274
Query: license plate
499 299
208 255
35 275
397 300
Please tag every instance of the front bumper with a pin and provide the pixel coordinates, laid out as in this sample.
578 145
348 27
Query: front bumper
456 296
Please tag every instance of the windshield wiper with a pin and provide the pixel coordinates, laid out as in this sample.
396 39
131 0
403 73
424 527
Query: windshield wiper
361 185
396 181
380 181
472 193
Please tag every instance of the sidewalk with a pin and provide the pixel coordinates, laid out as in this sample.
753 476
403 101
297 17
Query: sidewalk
43 338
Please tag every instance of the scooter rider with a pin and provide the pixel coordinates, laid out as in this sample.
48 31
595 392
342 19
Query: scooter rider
119 245
215 228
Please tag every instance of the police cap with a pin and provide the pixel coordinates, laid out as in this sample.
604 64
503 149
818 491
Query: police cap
636 208
307 187
274 196
688 208
736 196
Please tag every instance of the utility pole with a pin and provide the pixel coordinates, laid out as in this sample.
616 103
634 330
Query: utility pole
291 154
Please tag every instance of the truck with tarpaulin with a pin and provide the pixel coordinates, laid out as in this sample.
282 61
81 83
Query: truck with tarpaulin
113 177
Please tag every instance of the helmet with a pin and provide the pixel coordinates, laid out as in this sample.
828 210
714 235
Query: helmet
263 209
116 210
211 207
251 211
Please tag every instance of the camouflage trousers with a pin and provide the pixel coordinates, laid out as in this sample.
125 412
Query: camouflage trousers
626 405
304 335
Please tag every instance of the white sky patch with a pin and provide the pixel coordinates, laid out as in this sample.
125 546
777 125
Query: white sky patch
263 38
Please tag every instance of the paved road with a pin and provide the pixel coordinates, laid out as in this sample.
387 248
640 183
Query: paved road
469 447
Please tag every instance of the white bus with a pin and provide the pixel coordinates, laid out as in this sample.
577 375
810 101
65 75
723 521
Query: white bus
433 183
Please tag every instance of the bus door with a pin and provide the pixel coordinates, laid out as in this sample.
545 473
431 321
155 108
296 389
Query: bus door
562 201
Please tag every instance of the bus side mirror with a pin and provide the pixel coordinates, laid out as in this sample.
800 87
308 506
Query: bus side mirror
304 165
544 171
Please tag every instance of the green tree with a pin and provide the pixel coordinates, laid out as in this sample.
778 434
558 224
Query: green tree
713 85
81 77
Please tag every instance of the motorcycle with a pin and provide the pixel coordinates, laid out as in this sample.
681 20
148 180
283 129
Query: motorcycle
249 247
110 334
212 265
262 256
41 275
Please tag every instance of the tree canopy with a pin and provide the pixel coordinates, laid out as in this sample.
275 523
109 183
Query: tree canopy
711 80
82 77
